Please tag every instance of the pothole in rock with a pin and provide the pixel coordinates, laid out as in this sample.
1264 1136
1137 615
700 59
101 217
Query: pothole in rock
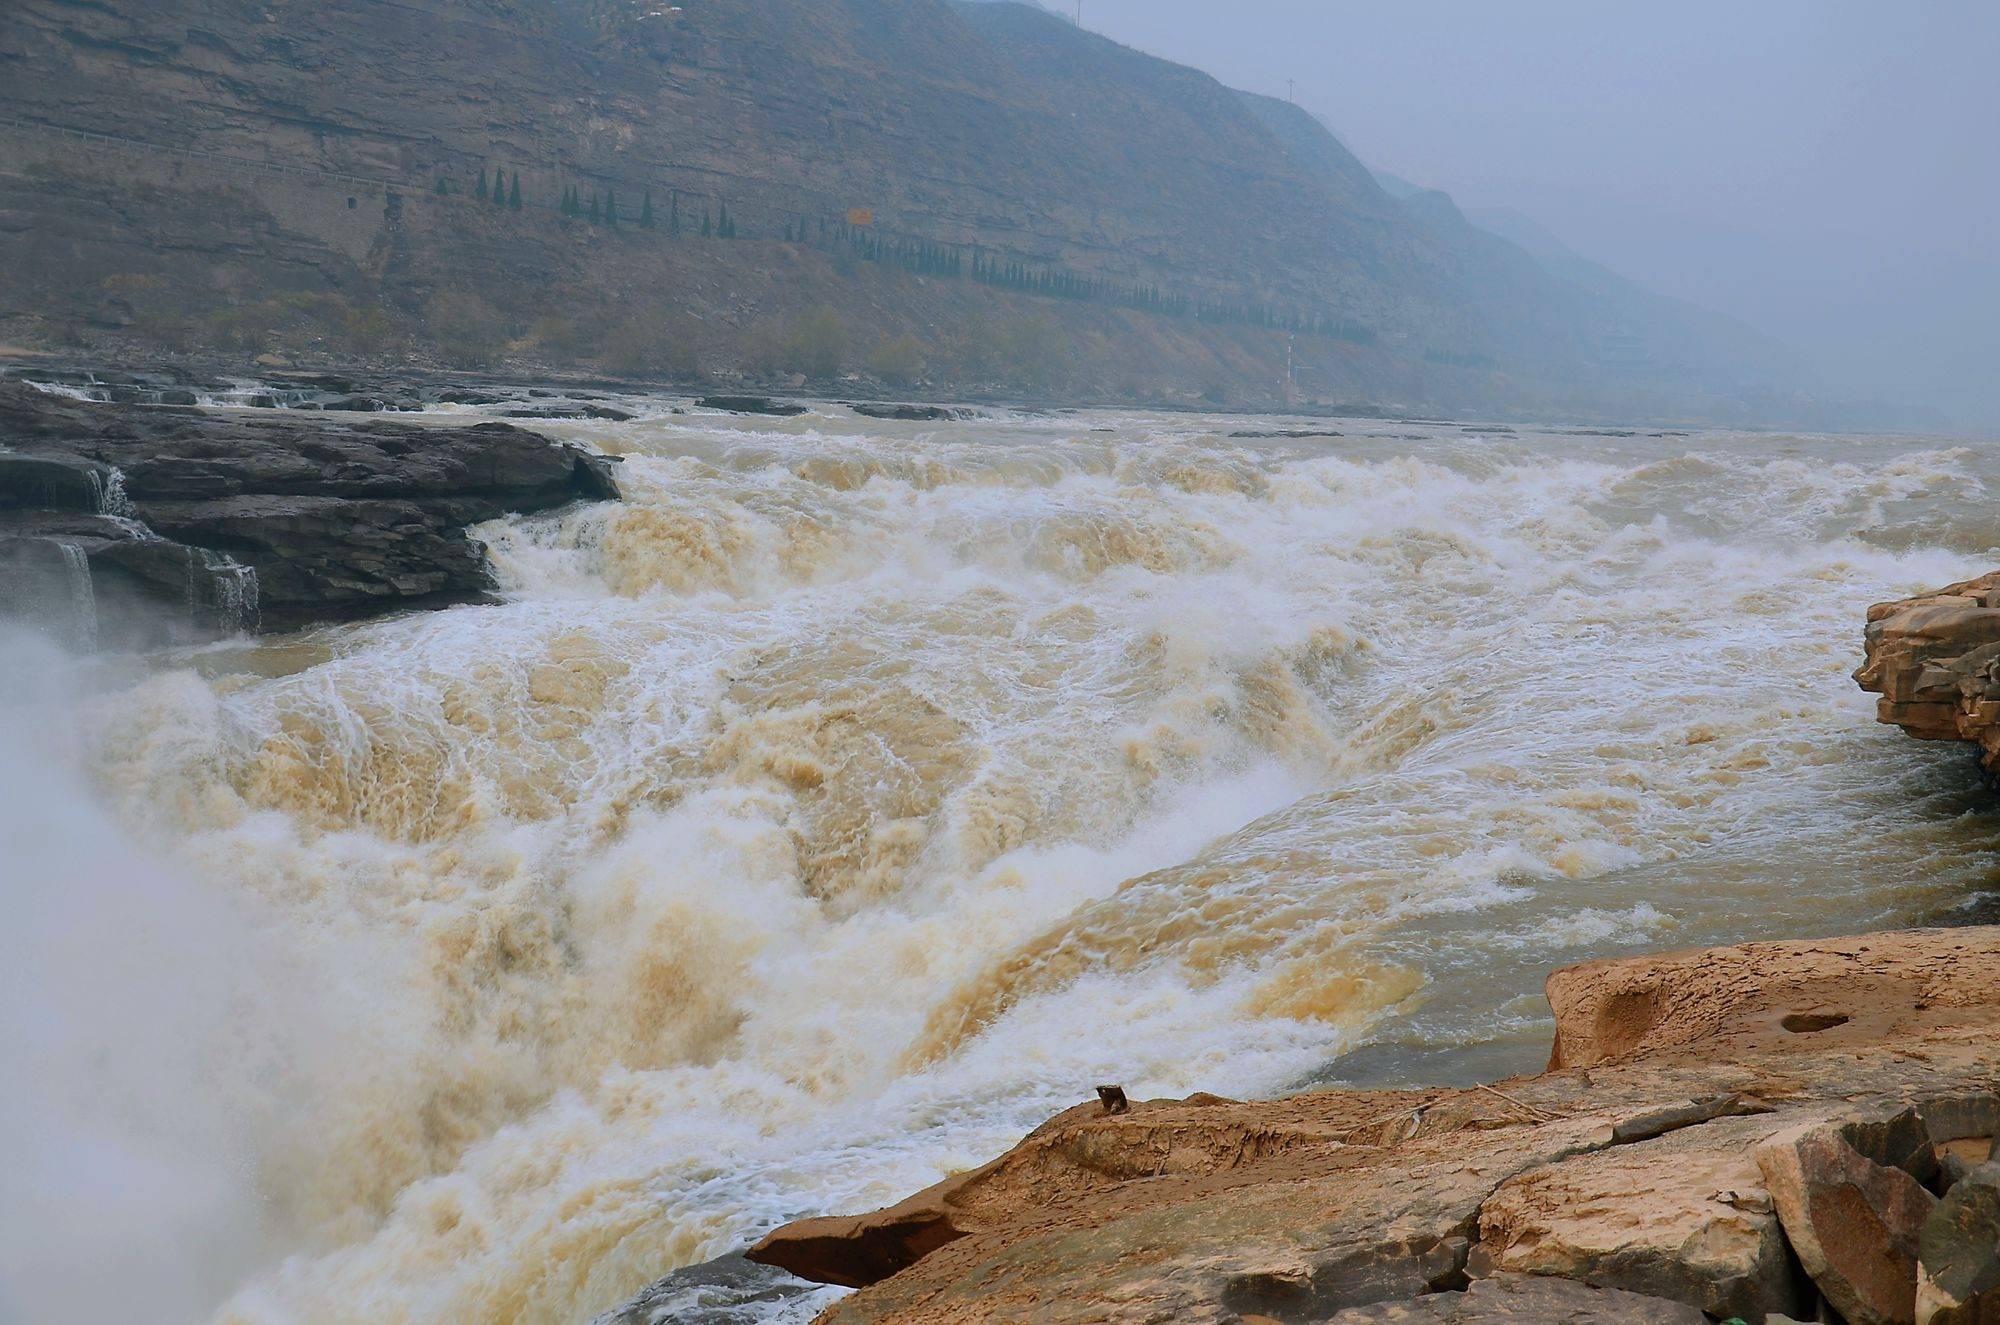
1805 1023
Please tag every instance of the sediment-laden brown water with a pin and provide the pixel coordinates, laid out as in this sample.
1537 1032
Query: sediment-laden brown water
856 794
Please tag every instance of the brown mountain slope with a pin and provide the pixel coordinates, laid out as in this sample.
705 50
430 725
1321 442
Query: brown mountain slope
993 129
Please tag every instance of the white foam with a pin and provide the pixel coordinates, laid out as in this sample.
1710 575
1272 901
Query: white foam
851 797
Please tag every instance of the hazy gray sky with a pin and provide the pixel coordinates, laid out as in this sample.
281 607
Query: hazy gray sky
1828 170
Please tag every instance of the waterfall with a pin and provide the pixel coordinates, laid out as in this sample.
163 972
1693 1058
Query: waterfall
235 596
111 498
107 486
224 588
82 597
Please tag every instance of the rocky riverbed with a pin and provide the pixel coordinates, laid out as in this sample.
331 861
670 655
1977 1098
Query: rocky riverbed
1765 1131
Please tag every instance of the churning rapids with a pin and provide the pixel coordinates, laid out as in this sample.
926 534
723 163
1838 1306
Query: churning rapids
855 795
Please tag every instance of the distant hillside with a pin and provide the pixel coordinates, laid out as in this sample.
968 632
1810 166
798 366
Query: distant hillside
981 195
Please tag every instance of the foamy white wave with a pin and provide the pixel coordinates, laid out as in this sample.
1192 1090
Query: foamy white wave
67 391
852 796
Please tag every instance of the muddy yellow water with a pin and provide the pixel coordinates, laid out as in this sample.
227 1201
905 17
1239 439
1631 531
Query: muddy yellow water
854 795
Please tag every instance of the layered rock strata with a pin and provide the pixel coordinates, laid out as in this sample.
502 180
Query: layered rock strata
135 525
1747 1132
1935 661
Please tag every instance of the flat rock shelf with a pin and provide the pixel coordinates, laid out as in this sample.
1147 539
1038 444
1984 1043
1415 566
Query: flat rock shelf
134 525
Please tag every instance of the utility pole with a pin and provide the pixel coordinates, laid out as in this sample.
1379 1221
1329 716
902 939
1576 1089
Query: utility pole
1079 13
1291 88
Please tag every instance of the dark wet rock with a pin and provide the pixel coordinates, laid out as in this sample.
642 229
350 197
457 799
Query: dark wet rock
603 412
915 413
52 483
1266 434
729 1290
1958 1254
752 405
330 383
280 520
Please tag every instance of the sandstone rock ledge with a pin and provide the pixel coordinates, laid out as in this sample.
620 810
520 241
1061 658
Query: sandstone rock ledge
1935 661
1760 1131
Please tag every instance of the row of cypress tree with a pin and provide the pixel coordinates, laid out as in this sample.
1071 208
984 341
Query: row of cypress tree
926 257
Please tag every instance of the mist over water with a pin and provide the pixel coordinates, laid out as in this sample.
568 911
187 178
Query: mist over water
157 1037
853 796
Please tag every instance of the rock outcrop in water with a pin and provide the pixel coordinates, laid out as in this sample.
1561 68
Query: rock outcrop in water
1935 661
1737 1131
151 523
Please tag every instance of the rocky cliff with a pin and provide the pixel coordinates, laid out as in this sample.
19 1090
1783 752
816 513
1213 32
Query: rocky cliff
1935 661
134 524
290 176
1766 1131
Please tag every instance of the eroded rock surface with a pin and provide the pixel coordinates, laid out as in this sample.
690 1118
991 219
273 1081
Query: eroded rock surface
179 522
1852 1222
1935 661
1518 1297
1958 1270
1633 1166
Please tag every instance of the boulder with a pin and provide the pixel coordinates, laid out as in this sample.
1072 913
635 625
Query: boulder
1800 998
1935 661
1853 1223
726 1291
603 412
1958 1254
751 405
913 413
1681 1217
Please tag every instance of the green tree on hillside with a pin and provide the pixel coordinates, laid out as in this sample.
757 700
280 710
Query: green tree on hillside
595 214
514 194
611 208
646 212
674 212
707 226
480 192
499 188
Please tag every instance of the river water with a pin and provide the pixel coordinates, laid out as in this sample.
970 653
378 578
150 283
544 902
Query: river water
857 794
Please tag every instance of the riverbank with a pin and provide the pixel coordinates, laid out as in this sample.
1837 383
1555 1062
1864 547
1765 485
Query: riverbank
397 384
1741 1132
